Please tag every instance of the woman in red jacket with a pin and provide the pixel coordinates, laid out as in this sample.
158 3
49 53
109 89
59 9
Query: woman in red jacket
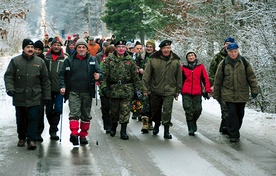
195 82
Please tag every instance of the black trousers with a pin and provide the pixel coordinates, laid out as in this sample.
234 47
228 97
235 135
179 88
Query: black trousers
27 121
235 117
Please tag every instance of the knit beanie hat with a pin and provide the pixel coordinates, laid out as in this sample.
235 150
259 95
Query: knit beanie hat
137 43
56 40
38 44
189 52
151 42
229 39
232 46
81 41
27 42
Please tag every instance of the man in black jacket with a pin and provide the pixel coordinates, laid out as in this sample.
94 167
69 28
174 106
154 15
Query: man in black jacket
77 83
26 80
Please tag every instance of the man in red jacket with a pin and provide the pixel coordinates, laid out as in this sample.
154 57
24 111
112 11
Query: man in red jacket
194 76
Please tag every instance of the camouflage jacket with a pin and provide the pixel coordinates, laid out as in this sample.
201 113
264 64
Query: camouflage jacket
214 64
120 76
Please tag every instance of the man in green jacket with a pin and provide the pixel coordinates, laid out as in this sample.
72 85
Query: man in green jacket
27 81
212 71
163 80
231 84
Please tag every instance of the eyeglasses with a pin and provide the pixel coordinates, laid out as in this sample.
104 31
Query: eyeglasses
148 46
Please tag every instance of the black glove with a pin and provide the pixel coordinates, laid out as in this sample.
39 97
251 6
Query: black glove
205 95
254 95
10 93
105 91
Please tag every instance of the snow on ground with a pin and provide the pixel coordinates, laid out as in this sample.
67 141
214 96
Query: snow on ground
262 123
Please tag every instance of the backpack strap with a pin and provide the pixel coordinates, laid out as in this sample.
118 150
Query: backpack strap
243 61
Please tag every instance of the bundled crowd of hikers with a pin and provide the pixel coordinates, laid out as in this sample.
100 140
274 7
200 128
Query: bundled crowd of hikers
129 77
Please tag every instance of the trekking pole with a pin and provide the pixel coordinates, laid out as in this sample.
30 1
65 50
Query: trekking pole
96 92
61 117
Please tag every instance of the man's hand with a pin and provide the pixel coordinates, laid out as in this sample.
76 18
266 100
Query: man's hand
62 91
10 93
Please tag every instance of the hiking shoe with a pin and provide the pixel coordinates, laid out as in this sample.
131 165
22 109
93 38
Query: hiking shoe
31 145
83 141
74 139
21 143
54 137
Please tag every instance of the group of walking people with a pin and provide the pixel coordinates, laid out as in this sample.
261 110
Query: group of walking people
36 81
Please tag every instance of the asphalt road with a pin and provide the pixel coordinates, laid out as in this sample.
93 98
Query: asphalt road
207 153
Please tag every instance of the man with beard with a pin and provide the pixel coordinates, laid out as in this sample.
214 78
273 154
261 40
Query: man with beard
77 83
54 60
163 79
26 80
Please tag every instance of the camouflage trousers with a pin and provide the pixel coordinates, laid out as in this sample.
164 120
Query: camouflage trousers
161 108
192 106
119 110
80 106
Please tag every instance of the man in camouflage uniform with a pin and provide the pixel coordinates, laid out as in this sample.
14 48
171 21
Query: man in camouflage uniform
162 77
120 82
212 71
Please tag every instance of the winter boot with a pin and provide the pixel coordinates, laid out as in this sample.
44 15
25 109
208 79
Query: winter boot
167 134
113 129
156 128
191 127
84 126
55 118
74 127
145 127
124 135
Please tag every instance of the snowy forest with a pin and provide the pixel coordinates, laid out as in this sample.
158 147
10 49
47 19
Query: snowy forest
199 25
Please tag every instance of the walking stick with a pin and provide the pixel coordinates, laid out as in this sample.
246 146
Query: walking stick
96 92
61 117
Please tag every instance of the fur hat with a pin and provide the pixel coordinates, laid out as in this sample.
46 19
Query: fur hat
81 41
229 39
165 43
56 40
27 42
151 42
39 44
232 46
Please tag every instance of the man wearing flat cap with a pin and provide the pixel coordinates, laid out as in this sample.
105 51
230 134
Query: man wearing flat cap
120 83
162 78
27 82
